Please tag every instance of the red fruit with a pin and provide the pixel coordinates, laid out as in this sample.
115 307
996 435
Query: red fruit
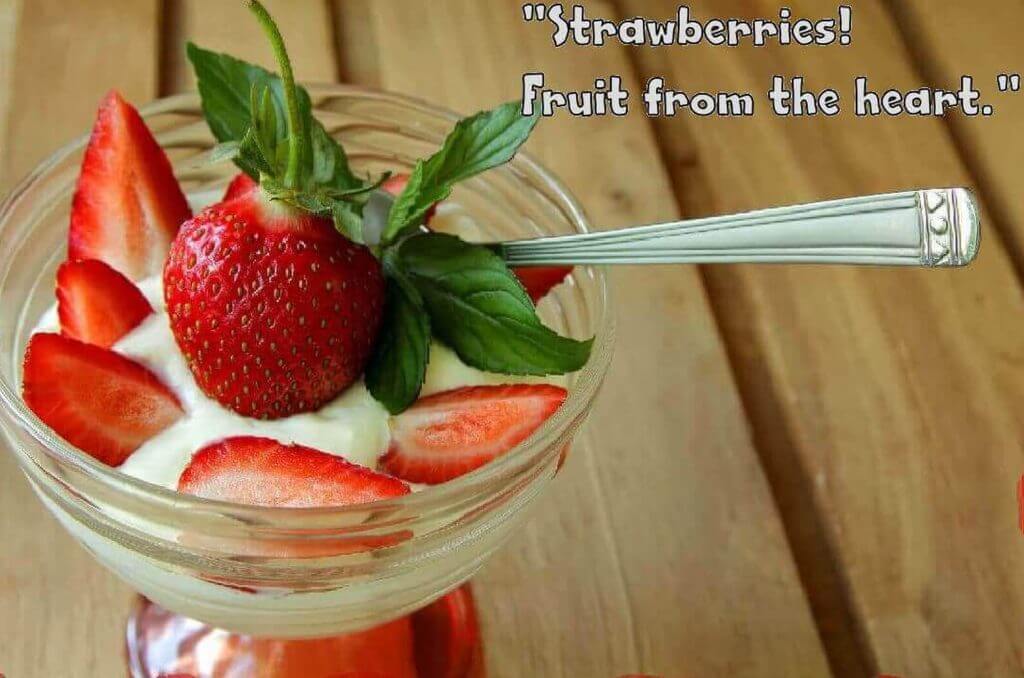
447 637
240 185
96 304
264 472
97 400
127 205
274 310
445 435
396 183
538 280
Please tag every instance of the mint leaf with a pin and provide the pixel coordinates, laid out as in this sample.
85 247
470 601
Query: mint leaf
398 366
478 307
478 143
225 86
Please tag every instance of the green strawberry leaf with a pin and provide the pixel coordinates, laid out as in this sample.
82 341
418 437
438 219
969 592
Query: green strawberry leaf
225 87
479 308
478 143
398 366
342 205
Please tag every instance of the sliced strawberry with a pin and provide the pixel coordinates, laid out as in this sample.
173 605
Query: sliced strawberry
264 472
446 637
96 304
445 435
127 205
240 185
396 184
97 400
538 280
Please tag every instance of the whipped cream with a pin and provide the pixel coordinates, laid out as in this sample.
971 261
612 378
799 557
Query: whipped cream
353 425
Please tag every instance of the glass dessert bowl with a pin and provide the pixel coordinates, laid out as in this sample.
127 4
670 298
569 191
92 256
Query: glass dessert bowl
294 572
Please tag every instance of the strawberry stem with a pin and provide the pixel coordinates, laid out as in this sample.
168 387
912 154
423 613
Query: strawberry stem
291 100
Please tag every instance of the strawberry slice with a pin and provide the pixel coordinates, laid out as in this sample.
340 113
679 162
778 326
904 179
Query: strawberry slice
97 400
446 637
127 205
445 435
538 280
240 185
96 304
264 472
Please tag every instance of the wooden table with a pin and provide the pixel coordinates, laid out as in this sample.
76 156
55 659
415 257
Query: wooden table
795 471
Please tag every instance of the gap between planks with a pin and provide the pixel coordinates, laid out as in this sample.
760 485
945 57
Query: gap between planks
847 648
920 43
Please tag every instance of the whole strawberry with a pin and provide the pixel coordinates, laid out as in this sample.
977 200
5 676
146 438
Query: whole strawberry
274 310
276 300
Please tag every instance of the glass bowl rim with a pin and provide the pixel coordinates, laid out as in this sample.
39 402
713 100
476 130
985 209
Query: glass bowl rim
580 397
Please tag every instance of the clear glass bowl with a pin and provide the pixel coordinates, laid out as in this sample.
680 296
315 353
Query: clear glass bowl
275 571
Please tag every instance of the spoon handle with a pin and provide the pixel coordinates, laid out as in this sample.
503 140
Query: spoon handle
931 227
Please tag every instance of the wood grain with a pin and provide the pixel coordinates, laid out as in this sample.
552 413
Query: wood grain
62 613
228 27
885 401
54 92
9 11
992 147
658 548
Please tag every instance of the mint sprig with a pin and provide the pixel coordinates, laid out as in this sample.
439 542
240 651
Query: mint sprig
478 307
438 286
475 305
478 143
399 363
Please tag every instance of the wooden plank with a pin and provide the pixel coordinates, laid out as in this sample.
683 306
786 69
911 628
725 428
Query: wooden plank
991 146
54 92
229 27
659 548
9 11
63 613
886 400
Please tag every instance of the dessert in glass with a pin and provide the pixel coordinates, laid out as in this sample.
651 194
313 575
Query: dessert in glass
293 402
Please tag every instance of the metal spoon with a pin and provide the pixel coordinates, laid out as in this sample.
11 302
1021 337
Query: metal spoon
931 227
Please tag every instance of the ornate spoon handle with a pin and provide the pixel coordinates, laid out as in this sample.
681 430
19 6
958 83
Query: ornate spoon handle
932 227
